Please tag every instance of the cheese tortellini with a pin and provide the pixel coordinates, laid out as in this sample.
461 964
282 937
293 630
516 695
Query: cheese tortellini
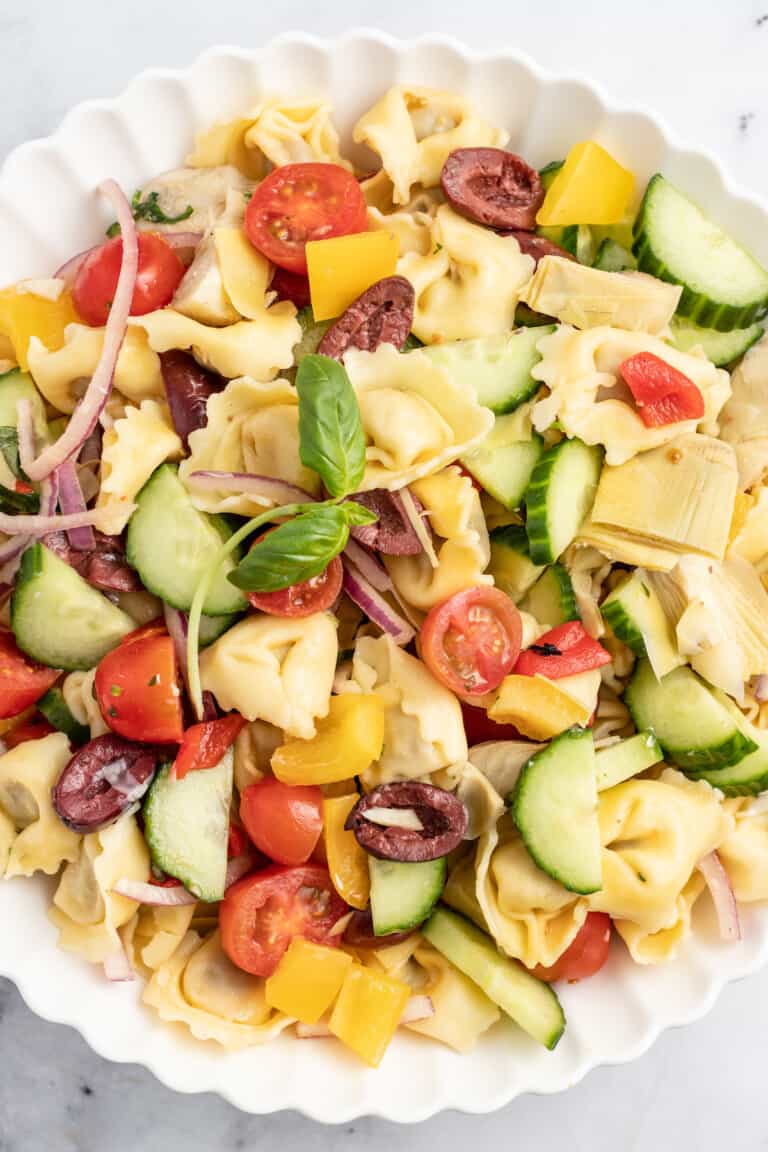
462 1013
469 282
423 728
590 400
744 853
137 444
62 376
275 669
414 129
251 427
80 697
462 546
32 838
154 934
198 986
415 418
86 910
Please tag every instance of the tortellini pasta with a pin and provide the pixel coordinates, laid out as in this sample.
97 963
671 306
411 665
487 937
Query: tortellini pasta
198 986
275 669
86 910
132 449
62 376
251 427
423 728
469 282
744 853
415 418
462 1013
32 838
591 402
745 416
79 696
260 347
253 750
414 129
154 934
462 546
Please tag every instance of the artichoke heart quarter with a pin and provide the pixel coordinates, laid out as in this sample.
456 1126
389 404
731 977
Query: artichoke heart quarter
680 496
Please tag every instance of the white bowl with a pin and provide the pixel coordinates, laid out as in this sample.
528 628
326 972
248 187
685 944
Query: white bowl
48 211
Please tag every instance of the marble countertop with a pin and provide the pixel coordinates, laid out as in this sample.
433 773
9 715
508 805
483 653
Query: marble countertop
702 65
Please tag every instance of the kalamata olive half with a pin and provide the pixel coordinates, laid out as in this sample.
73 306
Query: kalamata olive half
538 246
187 387
392 533
383 314
102 779
493 187
359 933
426 822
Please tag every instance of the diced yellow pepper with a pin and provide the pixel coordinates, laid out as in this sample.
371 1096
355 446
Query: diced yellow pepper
367 1012
536 707
341 268
24 315
346 743
590 188
307 980
347 862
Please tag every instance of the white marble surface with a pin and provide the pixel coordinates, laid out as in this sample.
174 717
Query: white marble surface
702 65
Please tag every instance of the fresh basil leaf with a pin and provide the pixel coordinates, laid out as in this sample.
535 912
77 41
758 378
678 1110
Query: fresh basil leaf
150 209
295 551
23 503
331 437
357 514
9 447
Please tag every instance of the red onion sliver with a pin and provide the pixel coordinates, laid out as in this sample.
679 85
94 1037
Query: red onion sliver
176 623
42 525
362 593
368 566
180 239
760 689
272 491
86 415
71 499
71 267
417 1008
238 867
145 893
723 898
117 967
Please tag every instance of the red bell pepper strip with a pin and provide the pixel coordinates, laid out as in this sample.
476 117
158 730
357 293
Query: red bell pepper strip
564 651
205 744
662 394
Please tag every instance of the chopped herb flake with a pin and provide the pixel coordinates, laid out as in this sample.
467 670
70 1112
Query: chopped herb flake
546 649
153 681
115 690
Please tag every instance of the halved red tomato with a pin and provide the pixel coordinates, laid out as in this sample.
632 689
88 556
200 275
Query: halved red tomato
480 728
137 687
263 912
471 642
304 599
35 728
301 202
585 956
22 682
284 821
160 272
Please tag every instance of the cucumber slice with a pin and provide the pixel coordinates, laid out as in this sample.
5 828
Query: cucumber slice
60 620
17 385
525 317
511 566
747 778
497 367
505 461
531 1003
559 497
554 806
723 286
552 599
722 348
403 895
211 627
612 257
186 825
56 711
622 761
696 731
637 618
170 544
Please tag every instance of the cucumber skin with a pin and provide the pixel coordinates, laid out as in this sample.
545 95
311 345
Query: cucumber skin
623 628
749 337
386 926
536 524
733 788
703 311
567 608
55 709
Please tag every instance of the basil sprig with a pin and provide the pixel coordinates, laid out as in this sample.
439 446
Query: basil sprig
331 437
150 210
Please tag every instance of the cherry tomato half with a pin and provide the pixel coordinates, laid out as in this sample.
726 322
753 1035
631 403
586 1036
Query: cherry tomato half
314 595
471 642
204 744
480 728
263 912
22 682
301 202
159 274
35 728
283 821
585 956
137 687
290 286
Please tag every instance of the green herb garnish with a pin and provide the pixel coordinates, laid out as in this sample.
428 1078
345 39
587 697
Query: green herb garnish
150 210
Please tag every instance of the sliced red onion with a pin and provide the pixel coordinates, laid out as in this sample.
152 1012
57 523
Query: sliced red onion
146 893
91 450
760 689
723 898
181 240
368 566
176 623
71 499
417 1008
238 867
41 525
272 491
71 267
415 519
376 608
117 966
88 411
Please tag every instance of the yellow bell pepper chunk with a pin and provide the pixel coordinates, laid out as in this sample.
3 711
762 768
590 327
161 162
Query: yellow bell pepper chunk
341 268
346 743
590 188
367 1012
347 862
536 707
307 980
24 315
